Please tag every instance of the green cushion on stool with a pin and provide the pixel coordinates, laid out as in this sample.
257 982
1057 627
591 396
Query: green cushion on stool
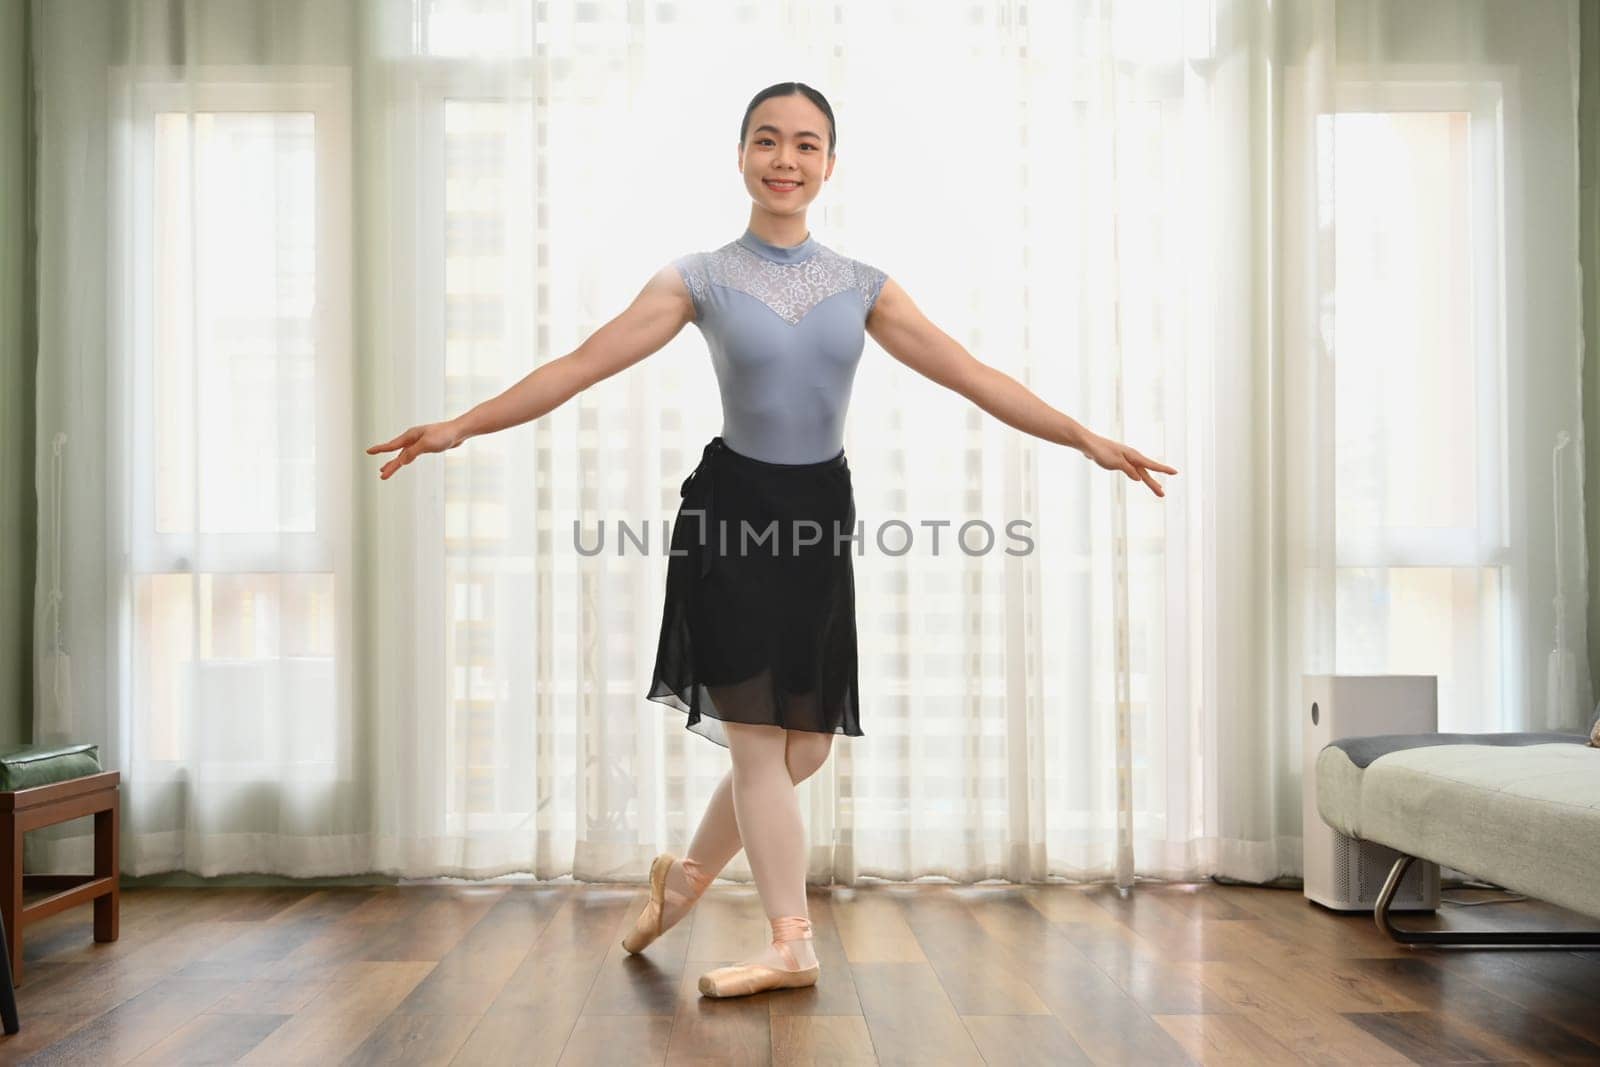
33 765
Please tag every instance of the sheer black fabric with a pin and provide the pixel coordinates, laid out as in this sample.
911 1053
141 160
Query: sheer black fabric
758 624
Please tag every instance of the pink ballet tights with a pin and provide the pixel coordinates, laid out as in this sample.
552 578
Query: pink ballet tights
755 807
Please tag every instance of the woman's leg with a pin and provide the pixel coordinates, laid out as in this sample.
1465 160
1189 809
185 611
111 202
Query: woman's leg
768 814
717 840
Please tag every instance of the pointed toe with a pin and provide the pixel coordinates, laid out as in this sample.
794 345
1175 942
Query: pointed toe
647 927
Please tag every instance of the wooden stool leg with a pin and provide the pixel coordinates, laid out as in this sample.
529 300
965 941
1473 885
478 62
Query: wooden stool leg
107 831
8 990
11 890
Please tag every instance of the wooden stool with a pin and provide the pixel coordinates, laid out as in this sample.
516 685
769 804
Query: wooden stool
22 810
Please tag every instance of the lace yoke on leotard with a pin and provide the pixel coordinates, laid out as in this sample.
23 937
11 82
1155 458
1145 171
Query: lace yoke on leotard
786 327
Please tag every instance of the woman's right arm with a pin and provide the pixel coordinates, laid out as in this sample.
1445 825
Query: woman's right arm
661 309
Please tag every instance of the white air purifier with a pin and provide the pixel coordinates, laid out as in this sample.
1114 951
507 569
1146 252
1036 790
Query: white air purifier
1342 873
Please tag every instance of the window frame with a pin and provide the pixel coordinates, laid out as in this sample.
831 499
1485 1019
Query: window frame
1488 542
140 95
137 95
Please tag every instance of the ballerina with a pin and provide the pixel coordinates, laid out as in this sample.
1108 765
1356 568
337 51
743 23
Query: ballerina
758 647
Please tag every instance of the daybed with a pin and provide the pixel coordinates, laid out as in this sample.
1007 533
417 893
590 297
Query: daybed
1519 810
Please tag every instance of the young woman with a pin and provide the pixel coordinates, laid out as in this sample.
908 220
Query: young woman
758 639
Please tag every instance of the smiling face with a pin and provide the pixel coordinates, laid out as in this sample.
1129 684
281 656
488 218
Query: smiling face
787 138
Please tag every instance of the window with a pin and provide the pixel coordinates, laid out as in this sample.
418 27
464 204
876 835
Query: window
1422 542
234 303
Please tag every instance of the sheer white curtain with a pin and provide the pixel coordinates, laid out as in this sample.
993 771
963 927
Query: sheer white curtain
274 233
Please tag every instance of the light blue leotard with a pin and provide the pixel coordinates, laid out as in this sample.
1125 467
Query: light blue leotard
786 328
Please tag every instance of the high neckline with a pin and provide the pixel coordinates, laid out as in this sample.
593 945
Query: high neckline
778 253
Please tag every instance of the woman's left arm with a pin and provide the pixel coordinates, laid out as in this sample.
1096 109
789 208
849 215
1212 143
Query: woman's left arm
900 327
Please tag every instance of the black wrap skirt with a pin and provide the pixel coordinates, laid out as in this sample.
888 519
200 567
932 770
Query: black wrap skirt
759 622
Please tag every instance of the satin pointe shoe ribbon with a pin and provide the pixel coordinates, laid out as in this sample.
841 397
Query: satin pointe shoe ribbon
698 877
743 979
708 521
648 926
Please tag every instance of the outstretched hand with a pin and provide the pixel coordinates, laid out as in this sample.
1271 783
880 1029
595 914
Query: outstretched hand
1119 457
433 437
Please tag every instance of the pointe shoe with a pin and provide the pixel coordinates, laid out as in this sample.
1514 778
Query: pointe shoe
743 979
648 926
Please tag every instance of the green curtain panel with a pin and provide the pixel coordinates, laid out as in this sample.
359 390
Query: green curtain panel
17 348
1589 214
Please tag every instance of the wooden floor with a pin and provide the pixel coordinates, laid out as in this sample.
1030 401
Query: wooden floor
925 974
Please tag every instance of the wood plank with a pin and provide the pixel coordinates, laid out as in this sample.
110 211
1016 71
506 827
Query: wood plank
530 1038
1104 1020
873 929
258 904
263 942
1537 986
415 1040
1199 900
330 903
722 1030
311 1038
368 985
801 1040
1153 930
1338 986
575 943
471 976
322 957
211 1039
82 988
1495 1022
319 959
1226 1039
602 1041
540 1005
1294 1016
437 928
643 984
978 974
183 944
1160 987
910 1018
40 1030
1303 925
1058 903
134 1025
455 993
267 998
1024 1040
1424 1036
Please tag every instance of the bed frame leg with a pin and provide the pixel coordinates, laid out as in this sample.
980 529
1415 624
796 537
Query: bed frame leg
1486 938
